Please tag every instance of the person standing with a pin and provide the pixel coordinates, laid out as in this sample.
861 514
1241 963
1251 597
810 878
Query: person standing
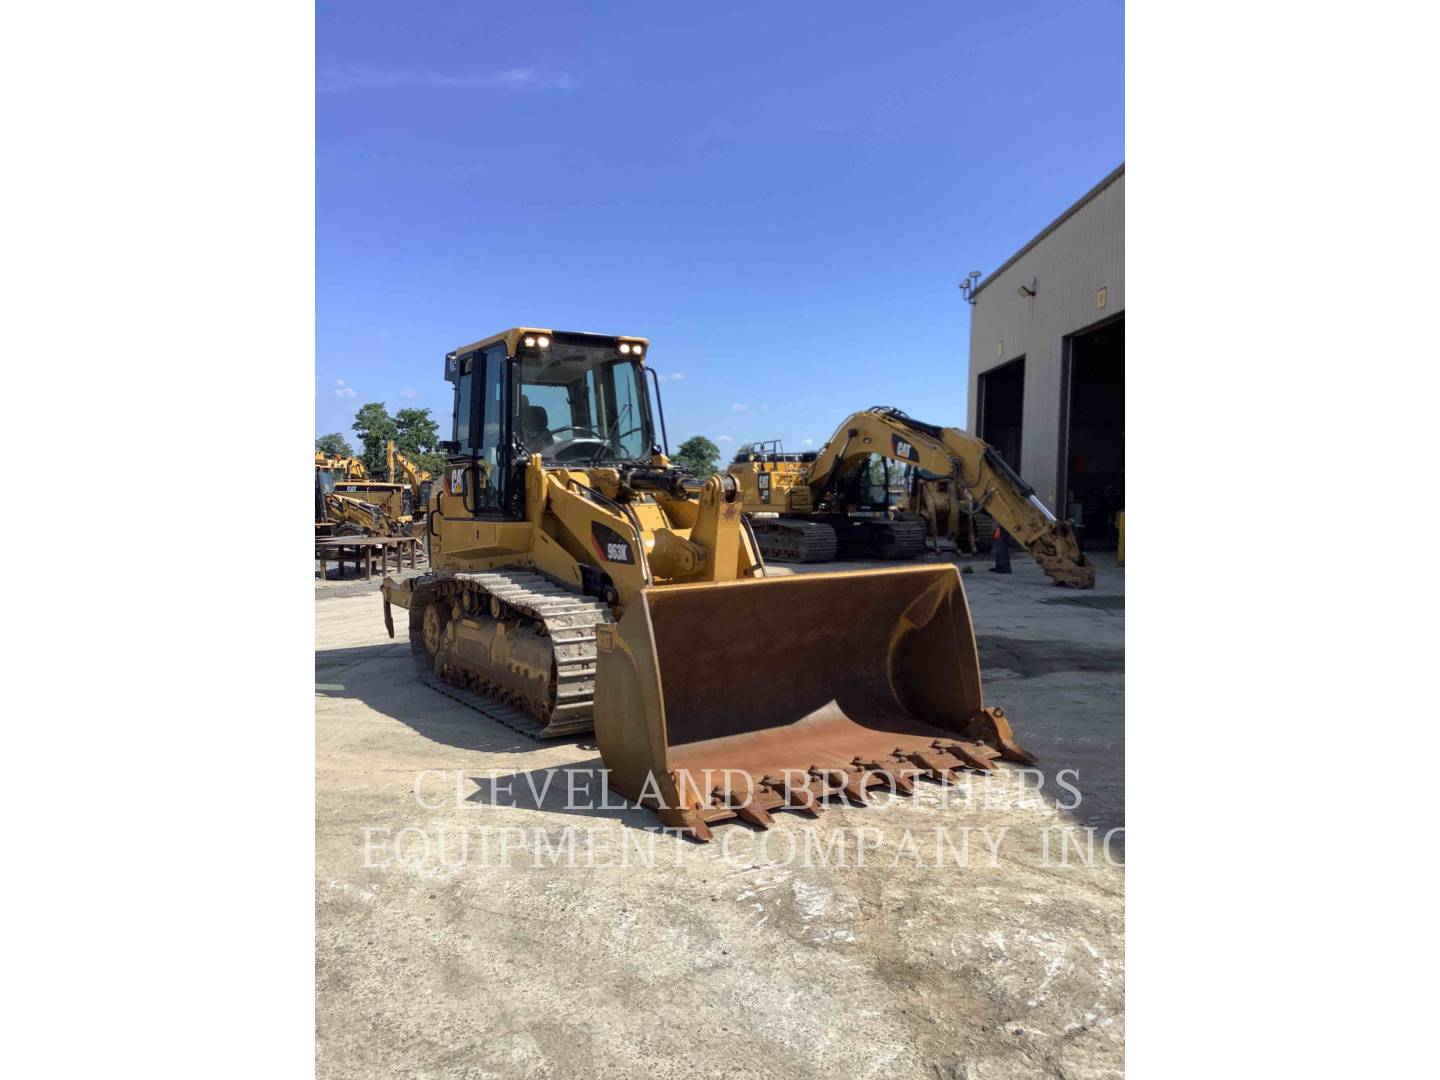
1002 552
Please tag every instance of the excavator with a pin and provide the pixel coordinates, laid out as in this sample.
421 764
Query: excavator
416 480
801 498
796 521
580 580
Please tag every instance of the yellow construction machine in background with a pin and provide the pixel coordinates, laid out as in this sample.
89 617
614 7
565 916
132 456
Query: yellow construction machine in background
348 503
416 480
410 473
794 498
341 467
580 579
800 518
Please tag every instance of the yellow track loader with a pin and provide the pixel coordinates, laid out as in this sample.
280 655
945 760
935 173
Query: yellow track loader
578 579
802 495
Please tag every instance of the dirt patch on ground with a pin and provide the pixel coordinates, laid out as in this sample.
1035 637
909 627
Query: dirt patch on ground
1029 657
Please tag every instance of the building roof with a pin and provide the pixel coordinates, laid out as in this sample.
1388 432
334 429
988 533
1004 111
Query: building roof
1043 233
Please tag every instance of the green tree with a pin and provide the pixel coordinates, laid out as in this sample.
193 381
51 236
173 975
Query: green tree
699 455
374 427
415 432
418 437
334 445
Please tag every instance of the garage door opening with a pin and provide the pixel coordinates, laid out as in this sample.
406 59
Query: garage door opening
1002 405
1095 432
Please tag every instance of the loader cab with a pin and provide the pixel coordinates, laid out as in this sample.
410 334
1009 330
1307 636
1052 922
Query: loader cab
577 400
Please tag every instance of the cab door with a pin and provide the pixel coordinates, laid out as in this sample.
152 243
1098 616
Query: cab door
478 478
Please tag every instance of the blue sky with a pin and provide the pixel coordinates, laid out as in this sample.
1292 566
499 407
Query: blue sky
781 196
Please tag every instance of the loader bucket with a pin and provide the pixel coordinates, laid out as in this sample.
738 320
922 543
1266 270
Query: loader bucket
733 699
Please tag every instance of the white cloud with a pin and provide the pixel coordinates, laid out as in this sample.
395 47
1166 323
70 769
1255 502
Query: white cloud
807 442
738 407
764 408
409 392
723 438
336 78
671 377
343 391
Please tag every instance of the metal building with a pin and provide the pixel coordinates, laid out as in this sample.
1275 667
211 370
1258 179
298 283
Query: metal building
1047 360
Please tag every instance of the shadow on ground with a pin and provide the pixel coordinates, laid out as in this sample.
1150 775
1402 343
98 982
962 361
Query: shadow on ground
383 677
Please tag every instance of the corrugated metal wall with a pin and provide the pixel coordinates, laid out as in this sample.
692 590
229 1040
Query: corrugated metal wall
1082 254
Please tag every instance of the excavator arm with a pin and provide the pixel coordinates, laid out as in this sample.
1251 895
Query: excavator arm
410 473
976 466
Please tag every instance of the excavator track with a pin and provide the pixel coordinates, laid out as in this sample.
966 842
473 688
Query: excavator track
877 538
555 624
794 540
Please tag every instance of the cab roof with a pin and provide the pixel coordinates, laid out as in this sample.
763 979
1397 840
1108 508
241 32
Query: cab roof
512 338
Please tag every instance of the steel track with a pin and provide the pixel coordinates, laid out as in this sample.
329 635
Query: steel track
566 617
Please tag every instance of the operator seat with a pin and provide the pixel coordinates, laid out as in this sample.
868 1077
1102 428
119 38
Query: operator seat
535 426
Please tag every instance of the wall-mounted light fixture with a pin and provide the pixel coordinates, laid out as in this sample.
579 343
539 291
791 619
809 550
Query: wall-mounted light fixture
967 287
1028 291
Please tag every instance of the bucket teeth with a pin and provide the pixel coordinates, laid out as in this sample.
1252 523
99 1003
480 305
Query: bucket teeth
801 798
990 726
976 757
754 815
932 766
943 760
691 822
747 804
854 791
839 782
888 771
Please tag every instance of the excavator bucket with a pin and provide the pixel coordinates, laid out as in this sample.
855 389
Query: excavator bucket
734 699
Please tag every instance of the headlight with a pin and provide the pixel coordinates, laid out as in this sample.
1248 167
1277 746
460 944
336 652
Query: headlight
625 348
529 341
543 341
637 350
